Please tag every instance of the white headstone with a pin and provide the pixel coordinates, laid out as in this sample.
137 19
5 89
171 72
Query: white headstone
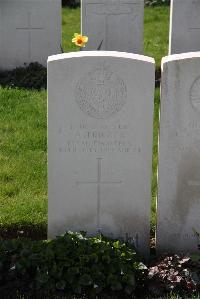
179 154
185 26
30 31
116 25
100 118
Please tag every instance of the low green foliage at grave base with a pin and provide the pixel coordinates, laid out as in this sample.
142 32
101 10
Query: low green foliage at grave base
33 76
70 264
71 3
89 267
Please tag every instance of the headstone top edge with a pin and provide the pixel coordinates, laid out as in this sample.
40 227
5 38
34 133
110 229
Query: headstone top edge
113 54
182 56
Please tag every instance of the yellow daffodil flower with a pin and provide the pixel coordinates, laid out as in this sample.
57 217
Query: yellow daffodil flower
79 40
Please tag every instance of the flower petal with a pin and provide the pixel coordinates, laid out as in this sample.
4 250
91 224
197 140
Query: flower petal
85 39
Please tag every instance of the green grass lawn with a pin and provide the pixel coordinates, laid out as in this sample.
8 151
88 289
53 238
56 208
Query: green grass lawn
23 146
70 25
156 32
23 171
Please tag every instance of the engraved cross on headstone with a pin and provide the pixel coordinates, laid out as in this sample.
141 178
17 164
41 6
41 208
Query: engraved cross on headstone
108 9
29 28
98 183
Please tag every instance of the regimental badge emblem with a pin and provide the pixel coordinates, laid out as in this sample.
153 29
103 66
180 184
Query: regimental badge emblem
101 93
195 94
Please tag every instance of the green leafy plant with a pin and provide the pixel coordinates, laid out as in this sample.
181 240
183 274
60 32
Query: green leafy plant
32 76
70 264
71 3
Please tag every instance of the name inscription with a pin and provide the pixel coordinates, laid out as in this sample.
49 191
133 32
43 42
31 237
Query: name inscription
83 138
186 236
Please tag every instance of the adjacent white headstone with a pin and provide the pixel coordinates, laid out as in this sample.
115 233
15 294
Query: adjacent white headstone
30 31
179 154
185 26
100 119
116 25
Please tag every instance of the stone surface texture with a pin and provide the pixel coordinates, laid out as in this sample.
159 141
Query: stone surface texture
30 31
179 154
184 26
100 119
116 25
